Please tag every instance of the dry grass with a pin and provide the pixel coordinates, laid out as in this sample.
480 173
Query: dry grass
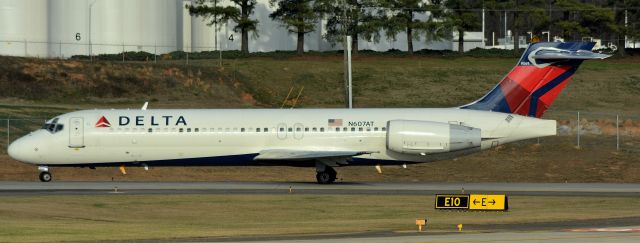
125 217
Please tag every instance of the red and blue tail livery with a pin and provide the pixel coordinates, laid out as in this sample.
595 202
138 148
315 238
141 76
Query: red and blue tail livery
541 73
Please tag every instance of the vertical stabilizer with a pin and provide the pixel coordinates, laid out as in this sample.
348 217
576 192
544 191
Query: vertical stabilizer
541 73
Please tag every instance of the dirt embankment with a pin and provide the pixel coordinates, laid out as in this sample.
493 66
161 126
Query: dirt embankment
69 81
606 127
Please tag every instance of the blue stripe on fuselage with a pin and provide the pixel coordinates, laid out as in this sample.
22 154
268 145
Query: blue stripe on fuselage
231 160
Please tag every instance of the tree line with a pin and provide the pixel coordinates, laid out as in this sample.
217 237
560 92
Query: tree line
430 20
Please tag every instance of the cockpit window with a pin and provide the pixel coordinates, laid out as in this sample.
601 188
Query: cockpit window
53 126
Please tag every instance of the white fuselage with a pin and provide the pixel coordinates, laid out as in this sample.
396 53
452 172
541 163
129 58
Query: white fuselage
235 136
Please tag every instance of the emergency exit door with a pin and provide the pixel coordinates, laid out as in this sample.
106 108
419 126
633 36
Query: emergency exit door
76 132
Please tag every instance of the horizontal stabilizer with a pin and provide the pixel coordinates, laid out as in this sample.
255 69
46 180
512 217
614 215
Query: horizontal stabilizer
550 53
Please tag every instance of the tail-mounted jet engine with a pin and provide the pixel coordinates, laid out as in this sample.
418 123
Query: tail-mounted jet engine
425 137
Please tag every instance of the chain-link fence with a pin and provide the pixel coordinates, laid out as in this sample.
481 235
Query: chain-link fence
583 130
14 128
116 52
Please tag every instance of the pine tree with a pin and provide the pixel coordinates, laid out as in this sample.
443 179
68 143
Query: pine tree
209 9
460 16
298 16
350 17
400 17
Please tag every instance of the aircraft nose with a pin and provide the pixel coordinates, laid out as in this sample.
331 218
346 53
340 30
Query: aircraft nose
13 150
19 150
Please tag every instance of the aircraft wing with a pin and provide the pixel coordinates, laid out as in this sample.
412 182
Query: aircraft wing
286 154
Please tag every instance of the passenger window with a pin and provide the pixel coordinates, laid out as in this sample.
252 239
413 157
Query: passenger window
322 129
290 129
196 129
306 129
360 129
181 130
258 129
282 129
384 129
150 130
344 129
375 129
368 129
242 129
188 129
298 129
266 129
353 129
337 129
315 129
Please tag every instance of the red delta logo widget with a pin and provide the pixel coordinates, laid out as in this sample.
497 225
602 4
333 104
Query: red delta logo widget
103 122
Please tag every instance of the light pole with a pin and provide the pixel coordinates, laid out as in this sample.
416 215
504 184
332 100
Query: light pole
90 45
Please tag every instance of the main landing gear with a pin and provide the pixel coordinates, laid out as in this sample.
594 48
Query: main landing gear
45 176
325 174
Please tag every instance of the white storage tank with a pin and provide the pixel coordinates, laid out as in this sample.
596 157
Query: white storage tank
149 25
23 28
183 19
114 26
68 28
202 35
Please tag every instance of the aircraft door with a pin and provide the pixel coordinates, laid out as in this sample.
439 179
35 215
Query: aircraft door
281 131
76 132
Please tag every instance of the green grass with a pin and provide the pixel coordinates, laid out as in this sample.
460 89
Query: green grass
127 217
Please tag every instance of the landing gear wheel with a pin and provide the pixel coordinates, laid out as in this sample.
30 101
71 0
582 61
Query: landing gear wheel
328 176
45 176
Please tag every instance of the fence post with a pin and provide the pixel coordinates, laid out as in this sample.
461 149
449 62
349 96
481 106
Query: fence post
187 58
578 132
617 132
122 51
60 50
155 52
25 48
8 133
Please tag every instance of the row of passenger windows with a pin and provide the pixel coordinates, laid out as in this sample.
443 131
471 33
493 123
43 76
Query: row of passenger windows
257 130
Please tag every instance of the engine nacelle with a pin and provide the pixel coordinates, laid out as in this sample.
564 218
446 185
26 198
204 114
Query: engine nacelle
425 137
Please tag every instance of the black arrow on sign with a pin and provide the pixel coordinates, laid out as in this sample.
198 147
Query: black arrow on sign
493 202
475 201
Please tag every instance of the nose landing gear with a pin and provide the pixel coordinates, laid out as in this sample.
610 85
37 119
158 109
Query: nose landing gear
45 176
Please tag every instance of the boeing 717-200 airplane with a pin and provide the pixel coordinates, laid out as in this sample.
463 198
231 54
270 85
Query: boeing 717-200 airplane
320 138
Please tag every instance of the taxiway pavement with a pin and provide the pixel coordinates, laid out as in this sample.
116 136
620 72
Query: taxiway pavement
524 189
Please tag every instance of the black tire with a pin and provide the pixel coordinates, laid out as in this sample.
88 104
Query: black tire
45 176
326 177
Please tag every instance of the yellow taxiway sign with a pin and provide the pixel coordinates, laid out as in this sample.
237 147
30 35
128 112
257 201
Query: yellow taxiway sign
488 202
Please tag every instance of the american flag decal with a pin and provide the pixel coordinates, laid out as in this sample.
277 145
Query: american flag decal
335 122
